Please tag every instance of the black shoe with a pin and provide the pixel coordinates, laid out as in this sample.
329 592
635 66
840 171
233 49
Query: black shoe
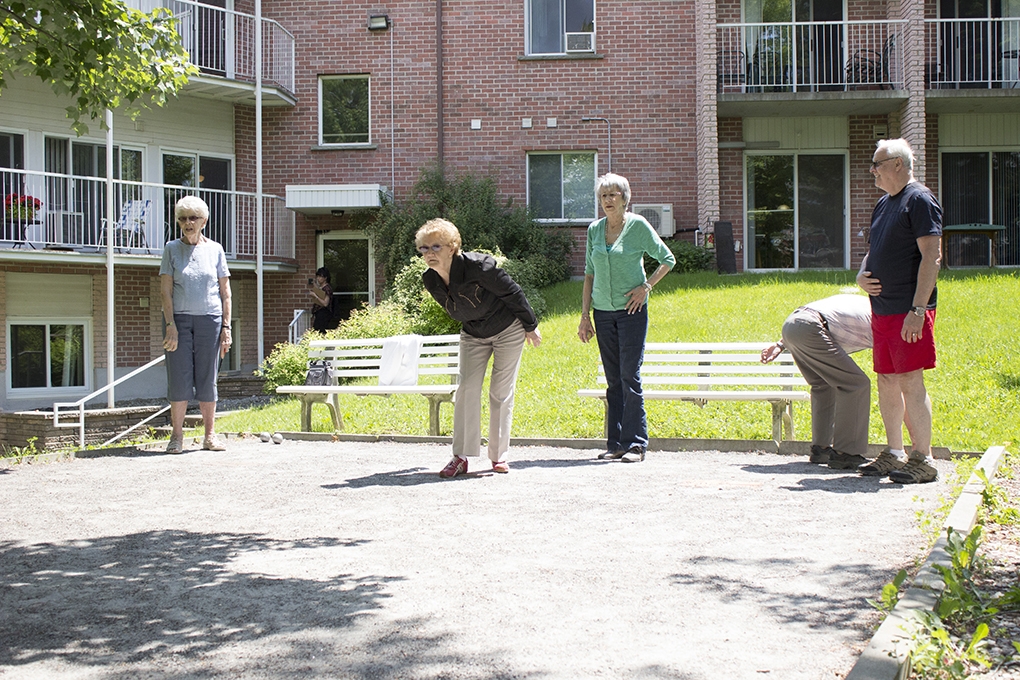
916 471
845 461
820 454
635 454
611 455
885 464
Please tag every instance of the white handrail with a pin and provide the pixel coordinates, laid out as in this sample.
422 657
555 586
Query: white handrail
80 404
298 326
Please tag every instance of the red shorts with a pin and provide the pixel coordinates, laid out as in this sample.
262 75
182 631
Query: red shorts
892 354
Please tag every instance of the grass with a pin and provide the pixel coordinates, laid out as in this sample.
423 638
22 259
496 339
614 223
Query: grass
975 389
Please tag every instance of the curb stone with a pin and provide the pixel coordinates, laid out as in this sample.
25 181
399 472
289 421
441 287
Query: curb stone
884 658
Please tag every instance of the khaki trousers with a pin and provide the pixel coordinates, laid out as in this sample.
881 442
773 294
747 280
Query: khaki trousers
505 349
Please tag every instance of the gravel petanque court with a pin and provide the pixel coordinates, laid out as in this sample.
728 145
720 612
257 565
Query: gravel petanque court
355 560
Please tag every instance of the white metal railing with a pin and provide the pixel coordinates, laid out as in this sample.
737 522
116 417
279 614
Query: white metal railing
972 53
809 56
298 326
221 42
72 214
80 406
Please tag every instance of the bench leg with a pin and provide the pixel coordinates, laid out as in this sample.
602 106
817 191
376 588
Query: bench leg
435 401
306 410
782 420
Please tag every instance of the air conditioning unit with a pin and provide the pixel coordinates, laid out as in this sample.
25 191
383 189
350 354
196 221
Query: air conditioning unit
580 42
659 215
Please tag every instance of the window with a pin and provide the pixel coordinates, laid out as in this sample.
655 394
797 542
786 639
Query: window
214 178
344 110
49 354
12 156
349 258
796 217
981 187
561 186
549 22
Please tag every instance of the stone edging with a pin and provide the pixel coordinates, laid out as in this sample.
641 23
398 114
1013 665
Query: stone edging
884 659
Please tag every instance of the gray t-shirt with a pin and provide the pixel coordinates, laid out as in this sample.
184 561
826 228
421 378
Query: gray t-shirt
848 318
197 271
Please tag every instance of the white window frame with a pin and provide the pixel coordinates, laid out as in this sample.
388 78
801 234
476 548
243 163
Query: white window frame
352 76
349 236
563 38
560 153
36 392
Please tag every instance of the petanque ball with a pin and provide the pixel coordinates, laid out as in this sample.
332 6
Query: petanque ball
277 438
265 436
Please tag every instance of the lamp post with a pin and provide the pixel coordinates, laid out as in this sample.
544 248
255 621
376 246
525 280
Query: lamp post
609 128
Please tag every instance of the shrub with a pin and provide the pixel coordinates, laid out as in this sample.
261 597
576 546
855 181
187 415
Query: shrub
286 364
381 321
689 257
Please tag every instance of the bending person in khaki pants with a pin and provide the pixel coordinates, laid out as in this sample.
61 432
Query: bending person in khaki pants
497 320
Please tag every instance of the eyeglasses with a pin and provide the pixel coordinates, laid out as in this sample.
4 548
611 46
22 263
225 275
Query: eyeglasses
189 218
435 248
875 164
610 194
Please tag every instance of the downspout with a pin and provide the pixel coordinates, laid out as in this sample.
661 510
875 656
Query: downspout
111 336
259 215
439 82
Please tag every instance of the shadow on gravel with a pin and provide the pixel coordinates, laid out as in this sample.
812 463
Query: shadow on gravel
476 470
839 605
139 597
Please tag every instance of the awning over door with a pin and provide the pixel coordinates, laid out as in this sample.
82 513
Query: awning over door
323 199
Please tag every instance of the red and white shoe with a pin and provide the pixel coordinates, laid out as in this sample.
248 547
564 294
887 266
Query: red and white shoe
456 466
500 466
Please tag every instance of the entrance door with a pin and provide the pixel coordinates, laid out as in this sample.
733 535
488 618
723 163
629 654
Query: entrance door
348 257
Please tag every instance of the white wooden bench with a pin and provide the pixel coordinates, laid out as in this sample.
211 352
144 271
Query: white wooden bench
360 359
719 371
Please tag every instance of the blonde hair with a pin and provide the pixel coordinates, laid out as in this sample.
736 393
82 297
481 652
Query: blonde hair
191 204
441 230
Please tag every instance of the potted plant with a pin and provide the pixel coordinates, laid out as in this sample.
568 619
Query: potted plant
20 208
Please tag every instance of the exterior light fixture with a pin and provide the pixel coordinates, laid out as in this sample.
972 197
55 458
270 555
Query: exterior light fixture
378 22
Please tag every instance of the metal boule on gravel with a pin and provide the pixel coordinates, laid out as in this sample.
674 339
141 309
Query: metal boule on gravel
277 438
264 436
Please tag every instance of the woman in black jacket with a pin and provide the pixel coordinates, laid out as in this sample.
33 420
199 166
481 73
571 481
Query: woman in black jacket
496 319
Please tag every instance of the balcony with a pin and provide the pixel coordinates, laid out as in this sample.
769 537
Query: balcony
221 43
809 68
72 219
972 65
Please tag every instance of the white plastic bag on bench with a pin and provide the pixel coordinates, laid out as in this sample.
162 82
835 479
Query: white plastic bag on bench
399 362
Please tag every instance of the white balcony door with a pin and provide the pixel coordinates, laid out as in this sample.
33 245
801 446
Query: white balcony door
214 179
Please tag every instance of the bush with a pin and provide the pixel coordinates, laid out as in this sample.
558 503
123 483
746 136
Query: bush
286 364
689 257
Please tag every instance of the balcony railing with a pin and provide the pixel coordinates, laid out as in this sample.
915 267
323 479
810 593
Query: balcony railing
813 56
973 53
221 42
72 215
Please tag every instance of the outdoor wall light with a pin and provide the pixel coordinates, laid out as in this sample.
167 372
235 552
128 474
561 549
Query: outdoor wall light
378 22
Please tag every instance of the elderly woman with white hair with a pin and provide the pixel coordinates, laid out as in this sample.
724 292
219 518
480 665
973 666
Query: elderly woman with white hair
195 290
616 292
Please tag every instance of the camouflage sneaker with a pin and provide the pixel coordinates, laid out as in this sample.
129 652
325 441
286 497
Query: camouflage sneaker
820 454
917 471
845 461
883 465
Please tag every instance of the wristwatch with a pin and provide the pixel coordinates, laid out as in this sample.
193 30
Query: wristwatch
919 310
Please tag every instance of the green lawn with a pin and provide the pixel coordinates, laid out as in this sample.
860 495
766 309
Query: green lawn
974 389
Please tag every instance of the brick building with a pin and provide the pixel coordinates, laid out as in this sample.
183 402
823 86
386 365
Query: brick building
760 116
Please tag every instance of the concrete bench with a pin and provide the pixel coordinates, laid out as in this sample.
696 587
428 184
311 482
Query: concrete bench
361 359
719 371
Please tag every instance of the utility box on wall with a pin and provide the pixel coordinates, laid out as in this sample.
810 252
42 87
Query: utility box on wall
659 215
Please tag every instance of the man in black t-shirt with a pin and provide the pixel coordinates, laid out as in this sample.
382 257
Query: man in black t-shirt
899 273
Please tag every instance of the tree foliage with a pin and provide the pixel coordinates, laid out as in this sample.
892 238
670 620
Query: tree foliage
485 221
100 53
